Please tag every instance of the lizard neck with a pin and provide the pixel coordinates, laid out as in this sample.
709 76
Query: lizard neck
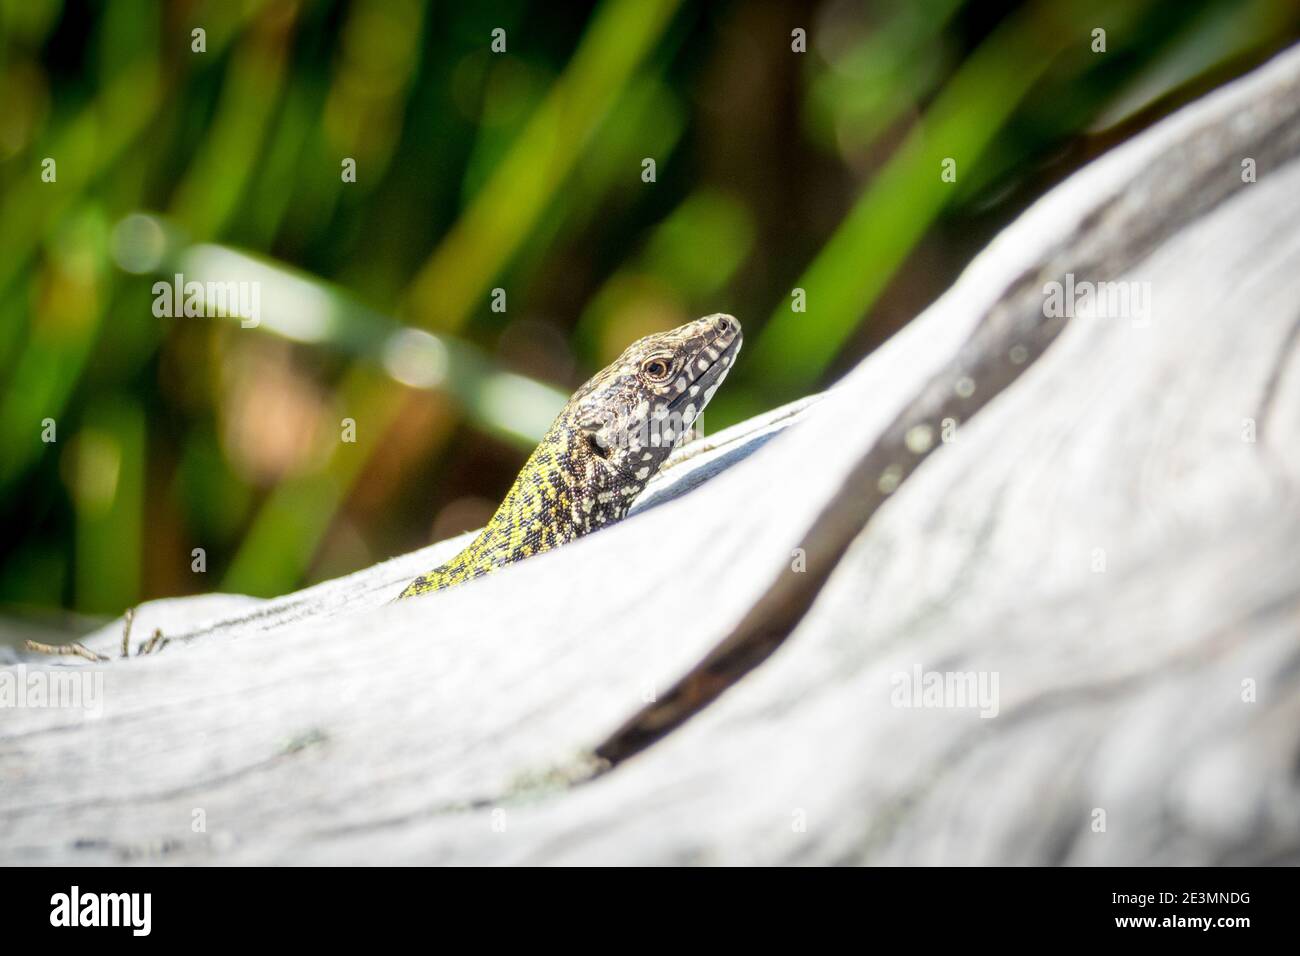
564 491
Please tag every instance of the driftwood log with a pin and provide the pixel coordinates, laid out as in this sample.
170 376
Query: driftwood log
1024 587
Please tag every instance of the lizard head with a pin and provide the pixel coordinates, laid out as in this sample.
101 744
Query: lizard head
633 412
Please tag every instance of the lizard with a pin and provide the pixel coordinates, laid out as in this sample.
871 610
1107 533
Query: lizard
603 447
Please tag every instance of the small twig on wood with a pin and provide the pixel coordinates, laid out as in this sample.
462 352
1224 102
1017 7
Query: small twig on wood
128 618
155 642
75 649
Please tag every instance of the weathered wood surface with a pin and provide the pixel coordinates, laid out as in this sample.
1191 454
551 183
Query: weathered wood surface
330 726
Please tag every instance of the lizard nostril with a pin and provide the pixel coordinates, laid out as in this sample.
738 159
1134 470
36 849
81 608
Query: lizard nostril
723 324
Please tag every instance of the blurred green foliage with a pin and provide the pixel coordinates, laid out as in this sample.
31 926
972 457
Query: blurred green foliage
143 455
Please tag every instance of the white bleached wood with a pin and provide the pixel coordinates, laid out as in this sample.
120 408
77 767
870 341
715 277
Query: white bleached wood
331 727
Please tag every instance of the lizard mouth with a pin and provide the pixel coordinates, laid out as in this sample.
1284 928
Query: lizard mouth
724 349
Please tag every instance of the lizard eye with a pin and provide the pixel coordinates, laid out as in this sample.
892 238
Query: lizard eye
657 369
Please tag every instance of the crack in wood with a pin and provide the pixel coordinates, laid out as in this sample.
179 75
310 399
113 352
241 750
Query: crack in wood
1120 232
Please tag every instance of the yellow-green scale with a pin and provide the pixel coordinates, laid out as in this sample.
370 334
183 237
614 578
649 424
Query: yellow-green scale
531 519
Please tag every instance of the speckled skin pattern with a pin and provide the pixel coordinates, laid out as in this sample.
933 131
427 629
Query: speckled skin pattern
599 453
